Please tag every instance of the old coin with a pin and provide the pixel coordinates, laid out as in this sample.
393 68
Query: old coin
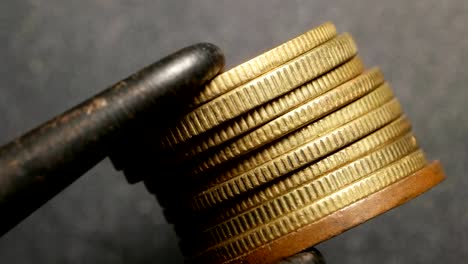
313 190
289 149
400 191
270 231
374 141
369 102
266 61
265 88
301 156
294 119
270 110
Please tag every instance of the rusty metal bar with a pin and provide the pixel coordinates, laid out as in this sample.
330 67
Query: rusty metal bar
39 164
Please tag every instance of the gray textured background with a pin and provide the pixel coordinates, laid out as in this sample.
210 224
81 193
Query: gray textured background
56 53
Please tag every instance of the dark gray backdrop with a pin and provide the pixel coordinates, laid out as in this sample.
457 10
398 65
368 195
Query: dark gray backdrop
56 53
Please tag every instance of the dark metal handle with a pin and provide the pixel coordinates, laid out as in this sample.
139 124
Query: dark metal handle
38 165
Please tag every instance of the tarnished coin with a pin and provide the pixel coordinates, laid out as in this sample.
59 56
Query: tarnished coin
362 187
264 88
369 102
297 158
313 190
279 106
294 119
374 141
401 190
287 150
266 61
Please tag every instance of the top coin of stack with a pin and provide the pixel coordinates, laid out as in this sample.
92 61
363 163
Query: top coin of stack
291 148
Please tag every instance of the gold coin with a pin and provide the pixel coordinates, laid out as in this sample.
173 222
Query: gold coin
356 150
275 108
370 143
310 191
297 158
264 88
314 209
367 103
284 146
294 119
266 61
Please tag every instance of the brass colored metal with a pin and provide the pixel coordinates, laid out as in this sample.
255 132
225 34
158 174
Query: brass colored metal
317 209
301 124
370 102
289 149
339 221
277 107
265 88
294 119
297 158
372 142
265 62
311 191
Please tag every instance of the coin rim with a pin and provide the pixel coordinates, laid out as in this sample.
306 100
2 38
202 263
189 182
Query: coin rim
263 63
243 123
342 220
373 100
384 136
208 116
397 146
211 197
321 106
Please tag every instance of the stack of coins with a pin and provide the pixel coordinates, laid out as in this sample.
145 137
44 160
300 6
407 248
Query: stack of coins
288 149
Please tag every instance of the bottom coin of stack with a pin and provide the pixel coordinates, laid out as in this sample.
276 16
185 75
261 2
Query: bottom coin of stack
289 149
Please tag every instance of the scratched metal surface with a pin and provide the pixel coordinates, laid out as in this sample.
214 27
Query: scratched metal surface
56 53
